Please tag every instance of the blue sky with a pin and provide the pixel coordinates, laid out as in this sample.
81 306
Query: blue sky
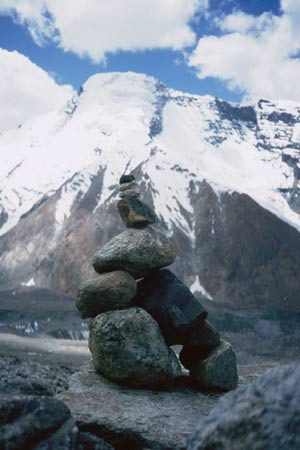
225 48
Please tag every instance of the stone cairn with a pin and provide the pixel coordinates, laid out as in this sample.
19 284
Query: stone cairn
133 323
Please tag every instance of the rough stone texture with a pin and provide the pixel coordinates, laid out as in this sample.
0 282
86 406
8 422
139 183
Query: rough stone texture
136 419
171 303
262 416
29 377
41 423
110 291
134 212
128 347
203 334
139 251
218 370
29 417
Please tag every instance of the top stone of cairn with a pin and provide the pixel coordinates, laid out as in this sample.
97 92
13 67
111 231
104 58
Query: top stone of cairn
133 212
126 179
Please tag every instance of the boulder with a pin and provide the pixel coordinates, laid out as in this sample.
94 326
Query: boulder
202 334
128 347
134 212
172 305
139 251
190 355
262 416
42 423
217 370
109 291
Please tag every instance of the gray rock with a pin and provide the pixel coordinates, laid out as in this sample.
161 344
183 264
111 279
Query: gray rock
128 347
139 251
217 370
108 292
134 212
262 416
171 303
136 419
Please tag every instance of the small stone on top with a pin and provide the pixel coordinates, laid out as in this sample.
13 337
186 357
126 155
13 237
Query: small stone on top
126 179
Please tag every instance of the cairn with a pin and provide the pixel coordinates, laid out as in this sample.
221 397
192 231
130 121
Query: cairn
138 309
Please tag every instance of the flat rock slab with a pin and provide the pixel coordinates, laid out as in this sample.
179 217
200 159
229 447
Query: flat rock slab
136 418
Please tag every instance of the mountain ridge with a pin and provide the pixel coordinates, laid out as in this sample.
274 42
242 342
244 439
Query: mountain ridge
58 181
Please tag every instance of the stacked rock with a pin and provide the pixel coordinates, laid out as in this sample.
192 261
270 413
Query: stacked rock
134 323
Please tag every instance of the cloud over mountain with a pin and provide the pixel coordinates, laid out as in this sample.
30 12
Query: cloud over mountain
26 90
93 28
258 56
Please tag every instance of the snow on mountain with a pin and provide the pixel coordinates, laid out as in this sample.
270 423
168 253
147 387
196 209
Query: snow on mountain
123 122
109 125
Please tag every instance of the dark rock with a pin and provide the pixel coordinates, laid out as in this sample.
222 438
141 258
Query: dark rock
134 212
171 303
252 258
136 419
128 347
262 416
189 355
126 179
217 370
202 334
40 423
27 420
86 441
139 251
110 291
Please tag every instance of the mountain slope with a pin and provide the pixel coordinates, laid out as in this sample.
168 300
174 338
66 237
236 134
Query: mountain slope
223 179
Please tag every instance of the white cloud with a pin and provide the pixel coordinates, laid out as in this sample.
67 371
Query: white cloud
255 55
94 28
26 90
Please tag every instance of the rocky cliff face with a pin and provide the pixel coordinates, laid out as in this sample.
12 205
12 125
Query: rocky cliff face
223 180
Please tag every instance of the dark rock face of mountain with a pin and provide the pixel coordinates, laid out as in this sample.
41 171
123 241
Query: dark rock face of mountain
242 254
245 254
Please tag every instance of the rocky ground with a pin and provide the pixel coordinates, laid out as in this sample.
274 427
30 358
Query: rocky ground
126 418
39 364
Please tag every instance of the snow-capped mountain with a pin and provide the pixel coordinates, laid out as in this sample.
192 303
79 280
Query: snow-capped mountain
223 180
